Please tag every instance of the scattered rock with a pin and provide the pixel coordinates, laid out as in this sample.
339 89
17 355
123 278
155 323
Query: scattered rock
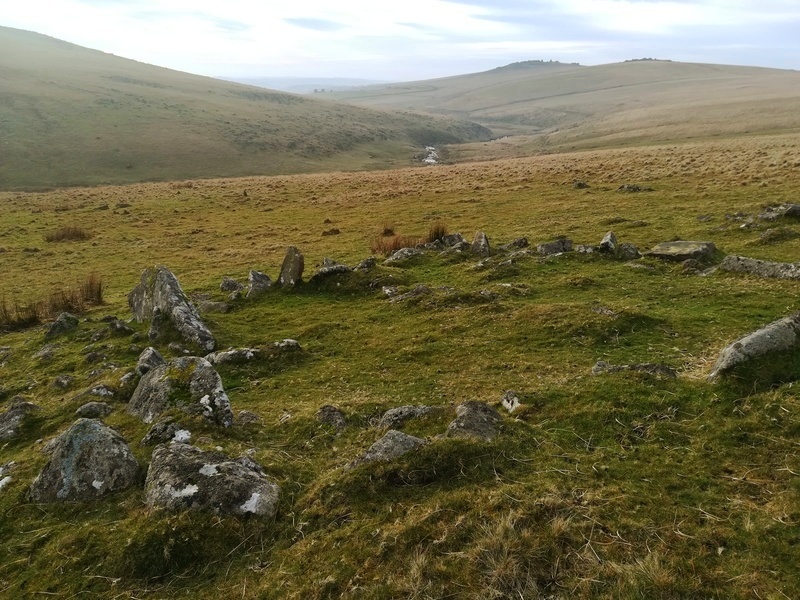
12 418
93 357
578 184
169 384
209 306
475 420
627 251
395 417
119 328
94 410
390 291
605 311
258 283
102 390
680 251
184 477
602 367
480 244
402 255
246 417
778 337
166 430
64 323
177 348
608 245
292 268
332 231
510 401
771 213
88 460
330 415
392 445
415 292
5 478
149 359
760 268
586 249
63 382
556 247
47 352
329 267
453 239
229 284
236 356
633 188
517 244
159 298
366 264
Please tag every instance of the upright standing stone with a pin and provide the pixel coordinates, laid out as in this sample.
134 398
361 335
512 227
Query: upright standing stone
609 243
292 268
480 244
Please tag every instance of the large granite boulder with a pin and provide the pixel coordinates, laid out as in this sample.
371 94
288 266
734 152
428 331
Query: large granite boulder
760 268
184 477
681 250
13 417
475 420
774 340
292 268
392 445
86 462
158 298
189 382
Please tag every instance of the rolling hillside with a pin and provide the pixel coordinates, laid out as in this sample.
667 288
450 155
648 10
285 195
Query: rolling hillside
70 115
607 105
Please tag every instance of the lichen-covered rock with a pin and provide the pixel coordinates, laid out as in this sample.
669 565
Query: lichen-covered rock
475 420
366 264
158 298
627 251
166 430
11 419
87 461
480 244
778 337
292 268
235 356
392 445
608 245
62 382
418 290
395 417
330 415
453 239
119 328
94 410
329 267
555 247
258 283
510 401
190 382
681 250
64 323
760 268
183 477
601 367
516 244
402 255
229 284
149 359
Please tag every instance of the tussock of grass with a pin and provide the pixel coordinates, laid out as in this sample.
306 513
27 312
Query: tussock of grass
67 234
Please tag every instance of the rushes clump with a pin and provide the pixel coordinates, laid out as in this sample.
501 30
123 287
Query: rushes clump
67 234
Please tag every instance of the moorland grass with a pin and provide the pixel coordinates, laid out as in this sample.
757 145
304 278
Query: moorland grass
614 486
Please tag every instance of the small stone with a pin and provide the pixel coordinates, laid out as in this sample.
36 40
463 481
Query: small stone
391 446
475 420
229 284
330 415
258 283
64 323
680 251
608 245
517 244
94 410
63 382
556 247
395 417
403 255
11 420
119 328
101 390
366 264
627 251
47 352
246 417
510 401
149 358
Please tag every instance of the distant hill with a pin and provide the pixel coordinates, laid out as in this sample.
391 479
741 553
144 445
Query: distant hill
70 115
632 102
304 85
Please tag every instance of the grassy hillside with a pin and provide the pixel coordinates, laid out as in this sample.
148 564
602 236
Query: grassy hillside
70 115
622 486
639 102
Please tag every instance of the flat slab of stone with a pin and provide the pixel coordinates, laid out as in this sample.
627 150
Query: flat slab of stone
760 268
475 420
395 417
392 445
682 250
183 477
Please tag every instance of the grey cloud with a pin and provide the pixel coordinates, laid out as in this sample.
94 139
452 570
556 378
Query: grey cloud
315 24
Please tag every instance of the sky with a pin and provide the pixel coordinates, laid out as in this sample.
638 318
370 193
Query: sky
414 39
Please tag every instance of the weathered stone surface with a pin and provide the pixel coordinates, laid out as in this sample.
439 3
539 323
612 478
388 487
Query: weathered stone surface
149 359
258 283
330 415
453 239
229 284
602 367
627 251
633 188
94 410
292 268
11 420
235 356
159 298
517 244
102 390
119 328
402 255
329 267
779 336
586 249
392 445
5 477
555 247
166 430
183 477
680 251
167 385
366 264
608 245
475 420
760 268
510 401
88 460
47 352
63 382
246 417
480 244
64 323
395 417
418 290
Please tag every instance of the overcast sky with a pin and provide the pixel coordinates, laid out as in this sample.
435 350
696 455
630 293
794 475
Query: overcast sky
414 39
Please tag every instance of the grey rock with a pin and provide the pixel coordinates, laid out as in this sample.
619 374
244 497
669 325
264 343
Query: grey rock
229 284
47 352
292 268
236 356
608 245
680 251
246 417
627 251
88 461
402 255
64 323
183 477
149 359
453 239
159 298
517 244
177 348
480 244
601 367
287 345
366 264
760 268
510 401
166 430
11 420
392 445
579 184
778 337
395 417
209 306
555 247
63 382
119 328
328 268
586 249
390 291
415 292
633 188
5 477
475 420
94 410
330 415
102 390
258 283
169 385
